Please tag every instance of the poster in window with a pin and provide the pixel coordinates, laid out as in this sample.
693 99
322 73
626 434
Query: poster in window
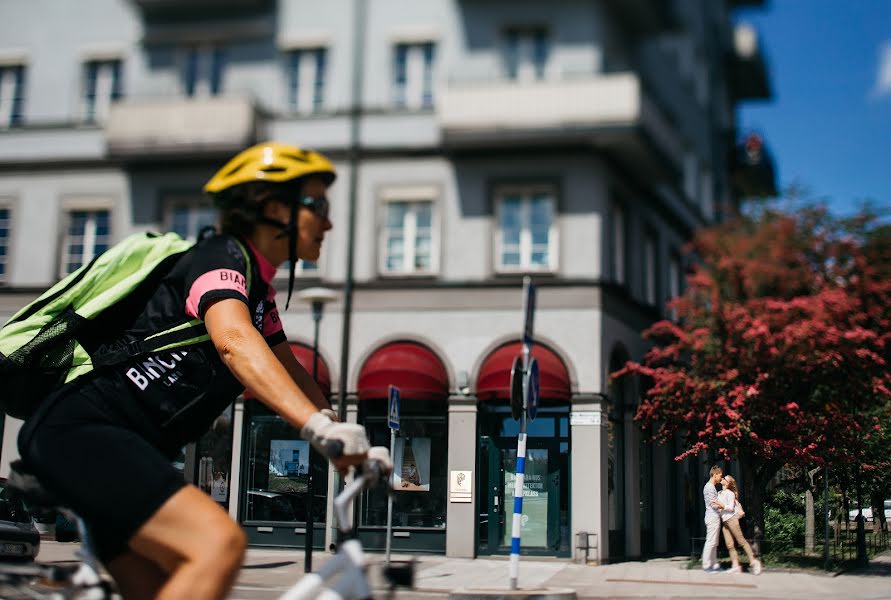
411 464
288 465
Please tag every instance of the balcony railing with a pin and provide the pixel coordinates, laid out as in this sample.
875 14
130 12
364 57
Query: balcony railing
176 125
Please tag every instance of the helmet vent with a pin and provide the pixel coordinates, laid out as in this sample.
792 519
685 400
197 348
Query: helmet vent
274 170
301 158
237 167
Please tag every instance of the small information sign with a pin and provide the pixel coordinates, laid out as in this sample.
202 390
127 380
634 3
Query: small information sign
393 408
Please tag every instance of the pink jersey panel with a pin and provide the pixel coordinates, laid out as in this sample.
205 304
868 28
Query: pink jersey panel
219 279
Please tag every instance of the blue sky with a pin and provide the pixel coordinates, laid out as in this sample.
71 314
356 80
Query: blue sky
829 122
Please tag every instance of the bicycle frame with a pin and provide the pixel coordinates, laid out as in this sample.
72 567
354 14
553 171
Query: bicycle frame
349 563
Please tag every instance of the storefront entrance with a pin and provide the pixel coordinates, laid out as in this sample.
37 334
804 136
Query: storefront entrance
545 528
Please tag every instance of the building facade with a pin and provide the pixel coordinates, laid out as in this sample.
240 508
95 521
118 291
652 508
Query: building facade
580 142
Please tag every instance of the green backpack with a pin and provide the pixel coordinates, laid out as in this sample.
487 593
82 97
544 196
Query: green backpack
57 338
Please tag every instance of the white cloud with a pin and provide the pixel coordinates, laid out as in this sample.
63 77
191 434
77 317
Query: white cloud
883 76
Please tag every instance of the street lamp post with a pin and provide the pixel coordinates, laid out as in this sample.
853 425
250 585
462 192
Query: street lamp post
317 297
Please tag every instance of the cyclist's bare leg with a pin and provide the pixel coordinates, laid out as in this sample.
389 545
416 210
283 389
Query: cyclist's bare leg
195 542
138 578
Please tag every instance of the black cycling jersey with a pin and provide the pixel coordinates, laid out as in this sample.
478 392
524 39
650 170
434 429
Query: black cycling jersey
180 393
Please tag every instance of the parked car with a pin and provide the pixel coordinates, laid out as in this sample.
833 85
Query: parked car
867 512
19 538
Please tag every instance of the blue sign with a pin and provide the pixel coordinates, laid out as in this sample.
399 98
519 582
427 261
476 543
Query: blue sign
393 408
528 309
533 387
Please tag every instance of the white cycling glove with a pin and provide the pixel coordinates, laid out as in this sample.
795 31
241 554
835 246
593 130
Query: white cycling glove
328 437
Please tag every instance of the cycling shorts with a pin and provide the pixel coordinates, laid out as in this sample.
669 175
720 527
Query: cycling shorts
96 462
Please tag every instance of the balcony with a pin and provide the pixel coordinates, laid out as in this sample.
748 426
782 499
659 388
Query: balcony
644 17
611 112
180 125
752 169
184 9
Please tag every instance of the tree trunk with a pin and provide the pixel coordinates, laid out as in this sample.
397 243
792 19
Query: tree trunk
809 545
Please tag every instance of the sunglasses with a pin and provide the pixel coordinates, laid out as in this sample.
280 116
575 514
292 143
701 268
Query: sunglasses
320 206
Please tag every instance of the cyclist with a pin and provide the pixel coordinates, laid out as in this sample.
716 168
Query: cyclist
104 443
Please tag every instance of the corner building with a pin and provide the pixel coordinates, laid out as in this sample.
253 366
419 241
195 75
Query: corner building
581 142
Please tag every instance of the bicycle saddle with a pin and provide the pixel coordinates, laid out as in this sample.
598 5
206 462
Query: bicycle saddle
25 484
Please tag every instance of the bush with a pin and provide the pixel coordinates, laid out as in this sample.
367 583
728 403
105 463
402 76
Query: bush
784 521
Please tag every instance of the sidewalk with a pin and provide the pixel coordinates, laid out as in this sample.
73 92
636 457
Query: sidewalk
269 572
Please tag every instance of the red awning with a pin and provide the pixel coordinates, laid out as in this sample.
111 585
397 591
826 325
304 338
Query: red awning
414 369
494 379
304 357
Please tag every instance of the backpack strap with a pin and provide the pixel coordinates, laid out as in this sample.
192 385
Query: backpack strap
184 335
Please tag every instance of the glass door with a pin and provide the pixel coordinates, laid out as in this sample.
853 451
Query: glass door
542 530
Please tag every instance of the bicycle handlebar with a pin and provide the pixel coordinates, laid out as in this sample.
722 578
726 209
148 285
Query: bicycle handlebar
372 473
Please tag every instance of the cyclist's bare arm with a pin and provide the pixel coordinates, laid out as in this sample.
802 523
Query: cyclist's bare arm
300 376
247 355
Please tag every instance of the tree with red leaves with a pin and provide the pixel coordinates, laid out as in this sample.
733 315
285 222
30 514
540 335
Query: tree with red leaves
779 351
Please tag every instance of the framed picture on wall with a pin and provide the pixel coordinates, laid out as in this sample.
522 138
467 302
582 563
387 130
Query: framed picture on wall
411 463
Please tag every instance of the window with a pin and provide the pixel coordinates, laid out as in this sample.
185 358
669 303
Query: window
86 237
306 268
12 90
306 79
707 195
4 243
408 237
691 177
617 243
526 53
650 293
526 239
102 86
188 216
413 75
203 71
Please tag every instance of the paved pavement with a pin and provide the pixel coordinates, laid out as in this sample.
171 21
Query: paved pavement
269 572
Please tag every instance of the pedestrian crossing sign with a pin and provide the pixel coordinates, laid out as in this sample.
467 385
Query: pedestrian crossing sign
393 408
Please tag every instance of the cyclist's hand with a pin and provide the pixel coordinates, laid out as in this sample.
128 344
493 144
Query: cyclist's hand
380 456
344 444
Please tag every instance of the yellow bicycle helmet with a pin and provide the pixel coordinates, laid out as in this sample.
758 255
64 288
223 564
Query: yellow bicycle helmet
272 162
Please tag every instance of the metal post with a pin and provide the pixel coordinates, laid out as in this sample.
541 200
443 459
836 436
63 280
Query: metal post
521 440
826 517
390 498
310 492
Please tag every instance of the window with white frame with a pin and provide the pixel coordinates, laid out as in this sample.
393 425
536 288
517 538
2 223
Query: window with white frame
617 243
526 238
188 216
102 86
202 71
413 75
649 270
306 79
87 235
408 242
12 95
526 53
5 215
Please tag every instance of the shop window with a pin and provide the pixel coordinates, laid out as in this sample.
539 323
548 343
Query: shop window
277 466
420 459
213 453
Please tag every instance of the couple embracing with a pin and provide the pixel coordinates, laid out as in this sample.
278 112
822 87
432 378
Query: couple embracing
724 507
